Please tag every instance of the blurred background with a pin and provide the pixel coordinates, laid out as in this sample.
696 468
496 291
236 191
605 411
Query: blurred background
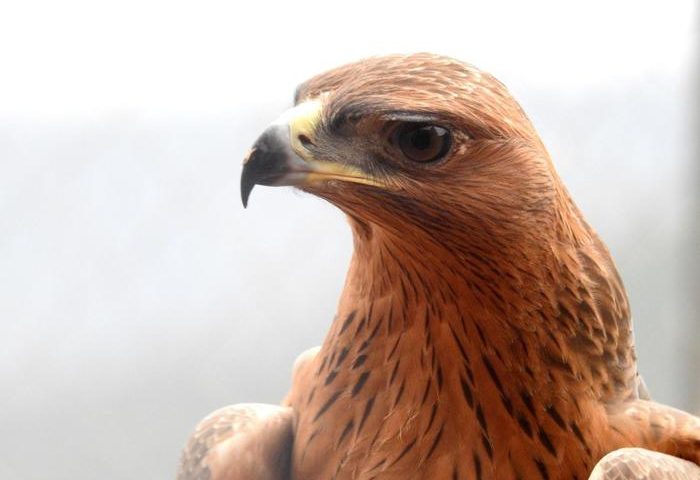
136 294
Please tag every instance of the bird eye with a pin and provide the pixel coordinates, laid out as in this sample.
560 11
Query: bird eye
423 143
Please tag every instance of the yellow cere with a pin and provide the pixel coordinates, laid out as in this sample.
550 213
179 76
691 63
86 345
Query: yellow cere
302 121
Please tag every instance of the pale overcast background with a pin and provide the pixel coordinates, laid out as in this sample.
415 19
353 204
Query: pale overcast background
136 294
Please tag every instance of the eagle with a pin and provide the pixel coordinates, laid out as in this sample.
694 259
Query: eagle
483 331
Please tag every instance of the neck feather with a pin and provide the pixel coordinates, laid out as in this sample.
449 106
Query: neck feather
487 349
544 310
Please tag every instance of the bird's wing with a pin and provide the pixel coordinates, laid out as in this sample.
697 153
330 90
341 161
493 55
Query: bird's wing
251 441
642 464
240 442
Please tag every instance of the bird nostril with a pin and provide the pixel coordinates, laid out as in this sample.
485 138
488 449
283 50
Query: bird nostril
305 141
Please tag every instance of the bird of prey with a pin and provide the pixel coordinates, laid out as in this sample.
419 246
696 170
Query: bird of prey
483 331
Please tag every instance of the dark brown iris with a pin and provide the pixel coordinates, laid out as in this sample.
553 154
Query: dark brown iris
423 143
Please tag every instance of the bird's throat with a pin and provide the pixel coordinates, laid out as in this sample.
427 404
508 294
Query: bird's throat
476 352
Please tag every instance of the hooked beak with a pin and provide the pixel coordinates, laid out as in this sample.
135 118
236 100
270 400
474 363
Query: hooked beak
280 157
272 162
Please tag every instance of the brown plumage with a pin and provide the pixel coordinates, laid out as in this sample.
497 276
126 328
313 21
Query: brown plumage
483 331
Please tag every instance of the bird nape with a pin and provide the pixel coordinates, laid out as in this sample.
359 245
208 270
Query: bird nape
483 331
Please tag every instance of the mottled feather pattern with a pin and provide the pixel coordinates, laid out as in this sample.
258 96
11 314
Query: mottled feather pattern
245 441
640 464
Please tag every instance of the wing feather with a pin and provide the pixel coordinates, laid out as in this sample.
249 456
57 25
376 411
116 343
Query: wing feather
240 442
642 464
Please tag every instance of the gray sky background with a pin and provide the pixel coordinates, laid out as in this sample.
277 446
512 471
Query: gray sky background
136 294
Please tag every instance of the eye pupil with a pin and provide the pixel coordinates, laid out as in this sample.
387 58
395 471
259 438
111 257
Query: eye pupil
423 143
421 138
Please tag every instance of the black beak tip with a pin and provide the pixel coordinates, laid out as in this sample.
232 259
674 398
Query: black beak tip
249 175
246 187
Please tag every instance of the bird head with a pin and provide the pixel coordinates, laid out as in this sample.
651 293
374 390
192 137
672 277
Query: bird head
417 143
